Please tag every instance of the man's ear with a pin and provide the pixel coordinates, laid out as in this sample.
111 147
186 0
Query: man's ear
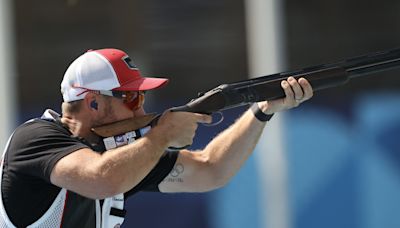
90 102
93 104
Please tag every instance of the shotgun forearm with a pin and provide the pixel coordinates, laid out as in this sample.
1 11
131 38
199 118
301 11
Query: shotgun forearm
228 96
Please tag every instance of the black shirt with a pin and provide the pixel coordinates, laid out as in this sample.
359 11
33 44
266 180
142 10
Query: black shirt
33 151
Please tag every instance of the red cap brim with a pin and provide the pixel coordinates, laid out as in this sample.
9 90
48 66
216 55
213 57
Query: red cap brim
142 84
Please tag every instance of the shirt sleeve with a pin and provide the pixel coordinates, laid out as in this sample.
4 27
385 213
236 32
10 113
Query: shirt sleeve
157 174
37 146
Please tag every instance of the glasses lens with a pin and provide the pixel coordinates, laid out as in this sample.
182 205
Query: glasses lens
130 96
134 102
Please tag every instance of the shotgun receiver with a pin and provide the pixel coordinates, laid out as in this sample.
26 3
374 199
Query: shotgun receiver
268 87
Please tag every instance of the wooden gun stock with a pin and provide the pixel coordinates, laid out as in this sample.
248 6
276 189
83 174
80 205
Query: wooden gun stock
124 126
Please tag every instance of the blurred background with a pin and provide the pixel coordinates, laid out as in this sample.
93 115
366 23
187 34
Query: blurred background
333 162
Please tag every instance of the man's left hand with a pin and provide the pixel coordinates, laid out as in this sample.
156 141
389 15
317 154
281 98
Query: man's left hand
296 91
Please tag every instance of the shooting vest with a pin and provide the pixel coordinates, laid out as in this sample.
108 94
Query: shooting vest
108 215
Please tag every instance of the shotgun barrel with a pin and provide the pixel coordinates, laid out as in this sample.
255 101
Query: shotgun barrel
268 87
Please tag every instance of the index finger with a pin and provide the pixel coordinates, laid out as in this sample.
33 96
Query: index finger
203 118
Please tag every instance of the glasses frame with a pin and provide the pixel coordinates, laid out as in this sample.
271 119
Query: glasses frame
132 102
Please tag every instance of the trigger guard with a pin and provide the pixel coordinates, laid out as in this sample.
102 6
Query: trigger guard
216 122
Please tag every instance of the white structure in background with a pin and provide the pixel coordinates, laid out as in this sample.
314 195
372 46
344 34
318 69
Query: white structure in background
265 45
7 71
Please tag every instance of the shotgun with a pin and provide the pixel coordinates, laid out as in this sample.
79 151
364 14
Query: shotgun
268 87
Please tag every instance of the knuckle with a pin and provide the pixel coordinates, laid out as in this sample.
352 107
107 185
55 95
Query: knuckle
289 92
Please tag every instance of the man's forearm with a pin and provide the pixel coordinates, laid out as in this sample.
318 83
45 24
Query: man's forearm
230 149
126 166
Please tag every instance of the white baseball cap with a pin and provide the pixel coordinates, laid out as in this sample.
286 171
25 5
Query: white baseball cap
104 69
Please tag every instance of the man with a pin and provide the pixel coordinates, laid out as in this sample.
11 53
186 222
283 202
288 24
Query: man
57 172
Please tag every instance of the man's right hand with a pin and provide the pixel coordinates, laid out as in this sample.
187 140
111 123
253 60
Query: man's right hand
179 128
